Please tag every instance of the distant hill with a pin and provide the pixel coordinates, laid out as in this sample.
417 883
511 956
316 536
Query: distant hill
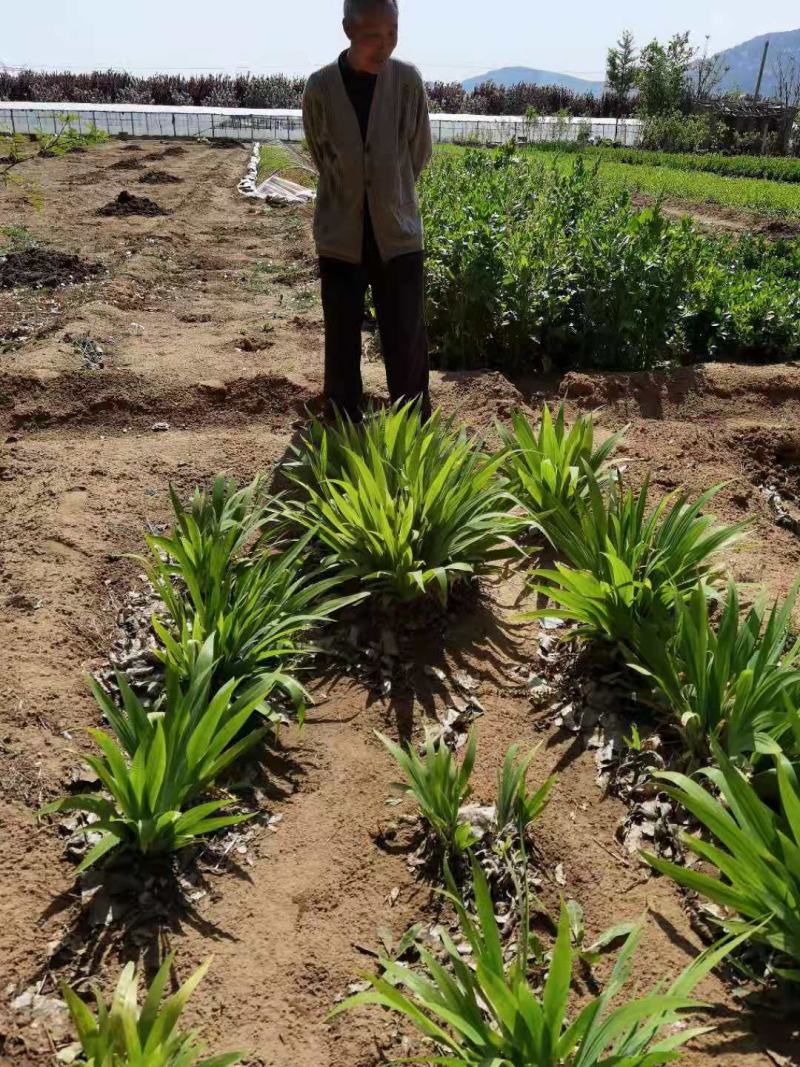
515 75
745 59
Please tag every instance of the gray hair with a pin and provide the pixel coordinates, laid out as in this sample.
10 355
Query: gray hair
356 9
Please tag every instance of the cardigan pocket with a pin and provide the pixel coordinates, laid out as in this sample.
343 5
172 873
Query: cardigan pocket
408 219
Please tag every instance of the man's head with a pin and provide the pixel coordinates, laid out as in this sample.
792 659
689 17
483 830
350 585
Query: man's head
371 26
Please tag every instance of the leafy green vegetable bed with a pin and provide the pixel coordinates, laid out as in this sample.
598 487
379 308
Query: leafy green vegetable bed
534 261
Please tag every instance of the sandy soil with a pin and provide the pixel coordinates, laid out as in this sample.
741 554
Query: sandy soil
208 320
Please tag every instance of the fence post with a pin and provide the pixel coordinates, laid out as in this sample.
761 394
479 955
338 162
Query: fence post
13 127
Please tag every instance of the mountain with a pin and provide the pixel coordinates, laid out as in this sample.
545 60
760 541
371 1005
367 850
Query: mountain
514 75
745 59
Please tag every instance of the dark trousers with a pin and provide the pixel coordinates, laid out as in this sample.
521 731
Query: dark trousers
398 289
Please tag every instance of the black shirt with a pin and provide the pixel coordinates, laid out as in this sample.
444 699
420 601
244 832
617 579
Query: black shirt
360 88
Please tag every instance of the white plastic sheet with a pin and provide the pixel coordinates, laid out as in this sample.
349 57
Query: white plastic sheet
274 189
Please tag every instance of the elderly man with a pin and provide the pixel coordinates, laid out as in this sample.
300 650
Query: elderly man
367 126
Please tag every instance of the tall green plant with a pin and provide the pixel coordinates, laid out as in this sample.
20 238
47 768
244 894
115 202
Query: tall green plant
157 763
406 507
125 1034
492 1013
440 787
728 682
627 567
755 848
548 466
260 618
197 560
515 805
222 573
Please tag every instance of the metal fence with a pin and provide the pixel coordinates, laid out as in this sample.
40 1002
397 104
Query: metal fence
143 120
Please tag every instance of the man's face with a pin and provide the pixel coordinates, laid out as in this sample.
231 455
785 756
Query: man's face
373 38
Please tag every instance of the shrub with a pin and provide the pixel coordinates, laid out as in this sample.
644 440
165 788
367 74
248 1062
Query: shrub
745 302
755 848
727 683
404 506
626 568
280 91
548 469
123 1034
440 787
675 132
493 1013
158 762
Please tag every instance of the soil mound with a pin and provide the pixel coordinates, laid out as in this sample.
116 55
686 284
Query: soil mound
128 204
174 150
127 164
781 228
42 268
159 177
131 148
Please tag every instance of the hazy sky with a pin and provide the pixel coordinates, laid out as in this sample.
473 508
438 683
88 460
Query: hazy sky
448 39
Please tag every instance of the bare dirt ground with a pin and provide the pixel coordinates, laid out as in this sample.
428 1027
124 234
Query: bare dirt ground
207 320
715 217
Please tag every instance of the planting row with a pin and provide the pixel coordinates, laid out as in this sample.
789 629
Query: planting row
773 168
533 262
401 510
761 199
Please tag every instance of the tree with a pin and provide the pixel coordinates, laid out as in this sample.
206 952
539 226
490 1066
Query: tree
707 75
662 75
787 92
621 68
787 80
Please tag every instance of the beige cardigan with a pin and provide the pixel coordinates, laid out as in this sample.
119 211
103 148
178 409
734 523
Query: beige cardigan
385 169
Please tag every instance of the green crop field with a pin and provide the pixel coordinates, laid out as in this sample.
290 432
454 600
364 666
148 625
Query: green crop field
278 158
535 259
781 199
666 175
775 168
